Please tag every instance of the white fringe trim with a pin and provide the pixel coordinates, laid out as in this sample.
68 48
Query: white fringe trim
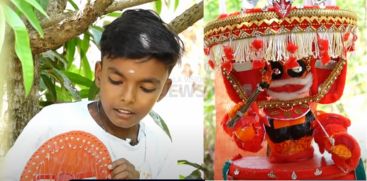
275 47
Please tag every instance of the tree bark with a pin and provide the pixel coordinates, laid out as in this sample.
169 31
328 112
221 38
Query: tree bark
55 36
187 18
21 108
6 125
18 109
115 6
56 7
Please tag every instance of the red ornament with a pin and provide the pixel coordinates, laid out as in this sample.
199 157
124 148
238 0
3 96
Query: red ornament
325 58
352 48
257 44
346 36
228 66
222 16
211 64
291 47
282 7
207 51
324 47
228 52
291 63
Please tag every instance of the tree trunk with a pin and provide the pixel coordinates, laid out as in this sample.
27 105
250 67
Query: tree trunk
6 126
16 109
22 108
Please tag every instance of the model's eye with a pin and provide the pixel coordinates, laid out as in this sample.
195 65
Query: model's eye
299 70
148 87
115 82
148 90
277 70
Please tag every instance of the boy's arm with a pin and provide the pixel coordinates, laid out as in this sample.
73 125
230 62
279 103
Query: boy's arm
32 136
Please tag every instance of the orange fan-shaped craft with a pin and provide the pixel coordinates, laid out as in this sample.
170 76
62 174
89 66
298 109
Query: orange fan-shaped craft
71 155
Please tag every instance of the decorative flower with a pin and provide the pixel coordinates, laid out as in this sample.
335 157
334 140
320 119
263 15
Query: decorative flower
324 48
211 64
257 44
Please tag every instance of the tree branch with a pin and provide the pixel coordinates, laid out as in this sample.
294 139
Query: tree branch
122 4
56 7
187 18
115 6
55 36
55 11
56 19
65 26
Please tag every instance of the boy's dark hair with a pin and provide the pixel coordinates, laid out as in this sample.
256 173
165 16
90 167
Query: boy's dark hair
140 34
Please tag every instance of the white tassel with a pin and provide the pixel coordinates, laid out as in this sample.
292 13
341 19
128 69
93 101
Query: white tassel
275 47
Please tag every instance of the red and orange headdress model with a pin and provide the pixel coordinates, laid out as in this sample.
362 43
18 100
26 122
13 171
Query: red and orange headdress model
277 63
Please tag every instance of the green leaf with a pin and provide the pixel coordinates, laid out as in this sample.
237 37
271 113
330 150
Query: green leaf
158 6
75 6
22 47
160 122
55 58
50 87
176 4
66 83
84 63
84 44
63 95
27 10
84 93
2 27
196 174
114 14
70 47
74 68
195 165
87 71
78 79
40 7
43 3
93 91
45 103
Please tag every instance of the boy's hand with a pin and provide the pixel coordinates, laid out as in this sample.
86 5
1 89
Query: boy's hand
123 169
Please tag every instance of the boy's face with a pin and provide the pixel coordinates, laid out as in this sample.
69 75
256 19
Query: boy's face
129 88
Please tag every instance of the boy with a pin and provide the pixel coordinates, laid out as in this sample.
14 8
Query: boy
138 53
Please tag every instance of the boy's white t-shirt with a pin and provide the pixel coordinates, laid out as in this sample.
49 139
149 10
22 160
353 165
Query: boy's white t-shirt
150 156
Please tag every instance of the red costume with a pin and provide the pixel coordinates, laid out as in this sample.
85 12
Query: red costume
277 63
